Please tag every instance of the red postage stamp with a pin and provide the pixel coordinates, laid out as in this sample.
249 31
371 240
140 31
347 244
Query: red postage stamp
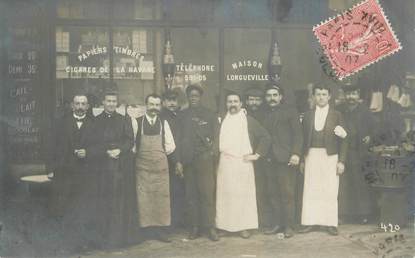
357 38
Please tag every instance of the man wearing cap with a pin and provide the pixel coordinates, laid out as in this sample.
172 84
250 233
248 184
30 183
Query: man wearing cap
170 113
240 141
110 151
356 202
283 124
198 125
325 147
253 102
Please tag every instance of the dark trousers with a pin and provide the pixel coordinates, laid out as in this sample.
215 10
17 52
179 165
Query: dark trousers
200 185
177 197
264 209
281 189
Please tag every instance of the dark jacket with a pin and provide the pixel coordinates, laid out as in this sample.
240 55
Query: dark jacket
334 144
283 124
258 137
359 124
175 127
111 133
68 138
198 127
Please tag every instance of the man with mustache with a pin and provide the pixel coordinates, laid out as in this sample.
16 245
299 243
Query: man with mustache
240 142
71 181
154 142
170 112
254 98
356 202
254 103
283 124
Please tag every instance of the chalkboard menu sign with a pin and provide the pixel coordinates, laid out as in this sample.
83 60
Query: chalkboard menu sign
22 107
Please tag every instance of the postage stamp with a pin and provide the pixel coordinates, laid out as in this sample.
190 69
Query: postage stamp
356 38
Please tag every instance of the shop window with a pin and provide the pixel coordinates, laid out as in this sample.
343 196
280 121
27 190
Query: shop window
196 56
243 11
21 103
82 63
137 9
246 58
80 9
137 57
194 10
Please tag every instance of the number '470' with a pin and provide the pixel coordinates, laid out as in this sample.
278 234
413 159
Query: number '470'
389 227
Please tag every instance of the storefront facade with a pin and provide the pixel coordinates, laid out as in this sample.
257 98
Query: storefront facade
53 48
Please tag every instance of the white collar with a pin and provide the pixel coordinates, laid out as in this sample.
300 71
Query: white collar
79 117
323 110
151 120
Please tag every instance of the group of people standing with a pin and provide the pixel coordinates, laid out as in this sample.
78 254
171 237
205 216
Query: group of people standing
116 175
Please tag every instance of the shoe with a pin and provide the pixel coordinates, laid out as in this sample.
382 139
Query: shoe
273 231
332 231
306 229
194 233
213 235
245 234
288 232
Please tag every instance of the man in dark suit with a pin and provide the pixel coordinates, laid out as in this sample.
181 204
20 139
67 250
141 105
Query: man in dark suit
198 125
254 104
283 124
110 154
71 189
170 112
356 201
325 148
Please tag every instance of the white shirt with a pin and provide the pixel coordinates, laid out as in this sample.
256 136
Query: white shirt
320 117
79 123
169 144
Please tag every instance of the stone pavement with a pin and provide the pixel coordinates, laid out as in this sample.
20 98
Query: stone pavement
354 241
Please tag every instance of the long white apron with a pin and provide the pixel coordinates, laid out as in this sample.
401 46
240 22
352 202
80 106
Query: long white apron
236 207
321 187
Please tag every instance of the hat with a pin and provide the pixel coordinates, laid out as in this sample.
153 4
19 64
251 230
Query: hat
254 92
275 86
194 87
170 94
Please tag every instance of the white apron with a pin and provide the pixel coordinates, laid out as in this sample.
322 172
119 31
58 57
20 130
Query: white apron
321 187
236 207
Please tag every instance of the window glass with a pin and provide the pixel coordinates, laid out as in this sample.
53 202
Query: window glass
82 63
137 9
136 63
197 61
80 9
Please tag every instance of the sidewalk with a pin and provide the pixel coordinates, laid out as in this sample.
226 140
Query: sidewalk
354 241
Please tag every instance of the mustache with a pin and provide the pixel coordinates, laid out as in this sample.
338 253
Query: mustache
154 110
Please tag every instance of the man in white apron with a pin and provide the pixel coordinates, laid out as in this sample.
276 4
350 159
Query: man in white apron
154 141
325 155
242 140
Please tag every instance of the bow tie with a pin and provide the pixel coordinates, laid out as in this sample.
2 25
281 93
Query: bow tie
79 119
